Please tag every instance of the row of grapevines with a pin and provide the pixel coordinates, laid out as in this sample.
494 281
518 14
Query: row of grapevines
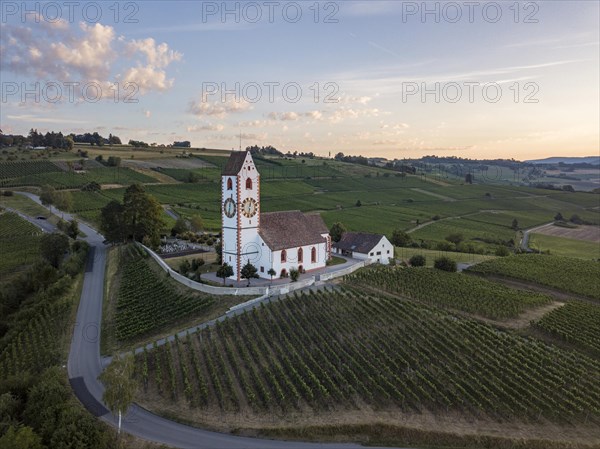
576 322
452 290
146 302
349 349
564 273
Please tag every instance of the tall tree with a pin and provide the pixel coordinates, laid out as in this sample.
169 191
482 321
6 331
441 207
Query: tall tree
336 231
225 271
73 229
142 214
112 222
196 223
47 195
249 271
53 247
400 238
63 200
120 385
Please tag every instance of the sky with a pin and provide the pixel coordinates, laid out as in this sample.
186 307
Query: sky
391 79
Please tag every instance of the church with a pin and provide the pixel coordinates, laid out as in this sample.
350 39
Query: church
276 240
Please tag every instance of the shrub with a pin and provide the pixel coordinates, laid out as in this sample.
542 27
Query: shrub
445 264
502 251
294 274
417 261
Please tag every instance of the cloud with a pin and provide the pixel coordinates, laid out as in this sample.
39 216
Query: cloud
294 116
205 127
156 55
84 53
38 119
147 78
253 124
220 109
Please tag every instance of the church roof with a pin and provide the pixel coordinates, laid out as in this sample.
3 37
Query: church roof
234 163
290 229
317 223
359 242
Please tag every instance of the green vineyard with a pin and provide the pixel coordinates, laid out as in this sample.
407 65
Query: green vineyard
577 276
576 322
12 225
451 290
348 350
146 302
12 170
20 243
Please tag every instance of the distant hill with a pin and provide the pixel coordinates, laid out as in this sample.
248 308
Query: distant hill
595 160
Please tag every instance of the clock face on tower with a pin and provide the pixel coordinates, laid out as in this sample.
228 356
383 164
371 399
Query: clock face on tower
249 207
229 207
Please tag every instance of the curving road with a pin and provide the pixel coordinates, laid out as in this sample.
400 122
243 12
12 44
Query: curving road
84 367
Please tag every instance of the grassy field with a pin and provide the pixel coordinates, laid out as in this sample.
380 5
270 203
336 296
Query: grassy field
26 205
564 247
350 356
568 274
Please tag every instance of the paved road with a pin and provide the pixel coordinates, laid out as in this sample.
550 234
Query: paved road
44 225
525 240
84 367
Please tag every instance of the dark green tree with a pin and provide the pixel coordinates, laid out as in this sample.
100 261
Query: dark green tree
225 271
181 226
400 238
271 273
73 229
515 224
112 222
248 272
558 217
142 215
445 263
336 231
53 248
47 195
417 260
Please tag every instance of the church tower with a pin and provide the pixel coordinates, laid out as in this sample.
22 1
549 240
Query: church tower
240 211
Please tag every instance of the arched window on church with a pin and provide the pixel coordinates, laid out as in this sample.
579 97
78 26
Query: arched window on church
313 255
300 255
283 255
229 184
248 184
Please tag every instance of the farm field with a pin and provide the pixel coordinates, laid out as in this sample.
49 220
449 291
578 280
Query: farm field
578 276
581 232
329 357
565 246
143 302
332 188
576 322
450 290
20 243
